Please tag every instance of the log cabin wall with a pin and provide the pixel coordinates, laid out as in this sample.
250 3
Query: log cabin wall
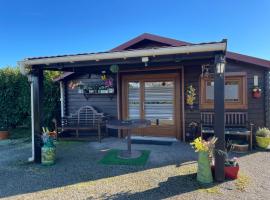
256 107
75 100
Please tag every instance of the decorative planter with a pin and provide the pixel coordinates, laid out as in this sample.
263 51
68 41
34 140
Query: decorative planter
256 94
263 142
204 174
4 135
240 148
231 172
48 153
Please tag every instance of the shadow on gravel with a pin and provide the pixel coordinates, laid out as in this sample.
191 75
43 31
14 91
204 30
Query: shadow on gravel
77 162
173 186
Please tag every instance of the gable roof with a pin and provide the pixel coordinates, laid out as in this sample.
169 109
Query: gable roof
173 42
152 37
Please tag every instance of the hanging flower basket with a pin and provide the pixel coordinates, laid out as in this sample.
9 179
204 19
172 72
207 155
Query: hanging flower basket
256 93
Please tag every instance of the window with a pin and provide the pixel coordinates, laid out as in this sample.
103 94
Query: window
235 92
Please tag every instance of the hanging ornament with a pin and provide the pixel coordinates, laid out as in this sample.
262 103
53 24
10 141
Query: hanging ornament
114 68
103 76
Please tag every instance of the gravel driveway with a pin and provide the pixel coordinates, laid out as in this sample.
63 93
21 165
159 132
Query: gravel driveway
169 174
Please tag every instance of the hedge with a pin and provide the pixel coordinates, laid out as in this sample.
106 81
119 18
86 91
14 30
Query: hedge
15 108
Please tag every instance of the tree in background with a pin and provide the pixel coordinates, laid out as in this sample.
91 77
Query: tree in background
15 109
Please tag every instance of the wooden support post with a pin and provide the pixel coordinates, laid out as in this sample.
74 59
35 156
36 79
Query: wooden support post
37 78
219 116
118 90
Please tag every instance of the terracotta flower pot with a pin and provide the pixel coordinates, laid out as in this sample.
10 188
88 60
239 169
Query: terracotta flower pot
3 135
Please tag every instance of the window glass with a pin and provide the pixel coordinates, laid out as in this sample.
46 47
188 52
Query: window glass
159 102
210 90
134 100
231 91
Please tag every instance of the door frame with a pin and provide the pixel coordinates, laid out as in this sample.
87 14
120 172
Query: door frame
155 77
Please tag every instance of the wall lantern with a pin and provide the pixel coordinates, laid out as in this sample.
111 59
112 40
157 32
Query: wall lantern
205 71
145 60
220 65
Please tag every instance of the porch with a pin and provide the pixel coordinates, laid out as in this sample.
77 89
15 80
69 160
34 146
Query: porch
139 71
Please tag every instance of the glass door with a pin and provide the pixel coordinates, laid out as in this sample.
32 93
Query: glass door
154 98
134 100
159 102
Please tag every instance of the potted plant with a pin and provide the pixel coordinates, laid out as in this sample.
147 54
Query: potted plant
191 96
263 138
231 168
205 150
48 150
256 92
3 131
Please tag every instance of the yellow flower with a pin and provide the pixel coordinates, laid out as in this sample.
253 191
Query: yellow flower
199 145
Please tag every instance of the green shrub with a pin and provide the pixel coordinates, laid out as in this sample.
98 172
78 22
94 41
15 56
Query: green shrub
15 98
263 132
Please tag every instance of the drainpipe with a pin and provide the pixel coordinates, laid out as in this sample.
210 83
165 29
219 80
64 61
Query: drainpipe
31 159
62 98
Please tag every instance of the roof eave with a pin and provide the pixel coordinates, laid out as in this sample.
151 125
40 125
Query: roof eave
207 47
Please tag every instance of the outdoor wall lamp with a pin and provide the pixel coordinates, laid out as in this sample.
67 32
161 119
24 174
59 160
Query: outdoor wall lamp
220 65
145 60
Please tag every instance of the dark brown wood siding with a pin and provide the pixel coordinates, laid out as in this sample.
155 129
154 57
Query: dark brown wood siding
256 111
256 107
103 103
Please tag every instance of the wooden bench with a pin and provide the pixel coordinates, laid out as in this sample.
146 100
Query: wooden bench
86 118
236 123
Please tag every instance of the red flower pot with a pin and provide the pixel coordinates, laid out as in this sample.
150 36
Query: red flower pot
231 172
256 94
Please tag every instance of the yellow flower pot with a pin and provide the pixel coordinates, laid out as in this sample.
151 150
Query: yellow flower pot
263 142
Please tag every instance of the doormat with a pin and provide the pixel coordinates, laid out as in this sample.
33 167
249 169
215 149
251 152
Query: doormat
154 142
111 158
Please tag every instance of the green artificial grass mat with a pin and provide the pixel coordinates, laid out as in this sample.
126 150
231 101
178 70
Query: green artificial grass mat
111 158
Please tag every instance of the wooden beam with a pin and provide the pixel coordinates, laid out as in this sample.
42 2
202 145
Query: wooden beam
37 78
219 108
183 103
183 59
119 104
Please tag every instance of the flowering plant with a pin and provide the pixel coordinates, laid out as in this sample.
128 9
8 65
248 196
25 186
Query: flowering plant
73 84
257 89
231 162
48 136
201 145
191 95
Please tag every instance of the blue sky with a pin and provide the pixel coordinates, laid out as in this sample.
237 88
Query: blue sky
48 27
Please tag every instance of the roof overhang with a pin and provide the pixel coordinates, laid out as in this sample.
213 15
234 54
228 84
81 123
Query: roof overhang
189 49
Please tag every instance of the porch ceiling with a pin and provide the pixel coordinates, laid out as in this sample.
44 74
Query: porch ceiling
163 54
